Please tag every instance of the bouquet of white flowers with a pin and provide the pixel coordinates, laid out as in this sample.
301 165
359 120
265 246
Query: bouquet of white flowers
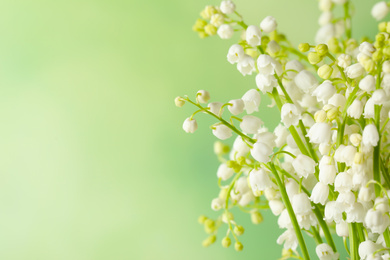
325 168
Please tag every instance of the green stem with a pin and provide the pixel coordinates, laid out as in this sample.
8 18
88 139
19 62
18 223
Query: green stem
316 236
291 213
386 236
353 243
376 159
348 30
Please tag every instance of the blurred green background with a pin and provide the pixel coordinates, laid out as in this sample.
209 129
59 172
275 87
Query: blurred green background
93 160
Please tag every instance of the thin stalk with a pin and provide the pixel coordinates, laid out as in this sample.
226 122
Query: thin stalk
291 213
353 243
376 159
386 236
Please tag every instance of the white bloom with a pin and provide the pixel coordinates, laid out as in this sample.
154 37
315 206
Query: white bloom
217 20
366 48
227 7
354 71
250 124
276 207
366 194
325 18
344 60
190 125
289 239
246 199
320 193
369 109
273 47
377 221
281 135
367 248
345 200
342 229
216 204
293 65
265 137
382 204
292 188
251 100
215 108
355 110
266 83
386 67
259 181
324 148
325 252
356 213
324 91
267 65
379 97
320 133
241 186
337 100
253 35
301 204
261 152
290 114
380 10
304 165
325 5
355 139
332 212
246 65
203 96
348 154
307 220
325 33
240 146
284 220
224 172
225 31
367 83
235 54
370 135
306 81
222 132
236 107
343 182
327 174
268 24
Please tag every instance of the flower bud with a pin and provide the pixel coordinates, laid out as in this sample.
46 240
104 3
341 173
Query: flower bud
333 45
377 56
325 71
379 97
190 125
250 124
320 116
354 71
256 217
358 158
355 139
314 57
303 47
332 114
179 101
239 230
217 20
268 24
227 7
382 26
253 35
226 242
227 217
210 29
370 135
209 241
355 110
203 96
216 204
238 246
369 65
367 83
202 219
344 60
208 11
386 51
321 49
225 31
380 10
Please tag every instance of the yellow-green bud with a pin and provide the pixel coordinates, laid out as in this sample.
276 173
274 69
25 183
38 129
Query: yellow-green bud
382 26
220 148
325 71
358 159
388 27
333 45
199 25
352 44
274 36
328 107
209 241
210 29
234 165
265 40
377 55
314 57
321 49
227 217
320 116
238 246
226 242
256 217
202 219
241 160
369 65
386 51
380 37
208 11
179 101
209 229
303 47
286 253
239 230
332 114
223 193
202 34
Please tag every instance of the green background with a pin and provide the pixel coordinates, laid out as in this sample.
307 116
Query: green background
93 160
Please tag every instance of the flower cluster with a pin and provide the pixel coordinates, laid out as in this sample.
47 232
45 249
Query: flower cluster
325 168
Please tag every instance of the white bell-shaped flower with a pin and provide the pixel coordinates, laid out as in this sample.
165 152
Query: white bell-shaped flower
281 133
325 18
367 83
325 252
216 204
355 110
190 125
222 132
253 35
259 181
246 65
215 108
284 220
267 138
324 91
268 24
366 194
343 182
348 154
370 135
354 71
342 229
235 53
250 124
320 193
367 248
345 200
236 106
337 100
225 31
294 65
320 133
240 147
246 198
290 114
301 204
251 100
261 152
379 97
369 109
306 81
380 10
227 7
266 83
288 239
366 48
325 33
203 96
333 212
267 65
344 60
377 221
276 207
356 213
382 204
224 172
304 165
327 174
292 188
